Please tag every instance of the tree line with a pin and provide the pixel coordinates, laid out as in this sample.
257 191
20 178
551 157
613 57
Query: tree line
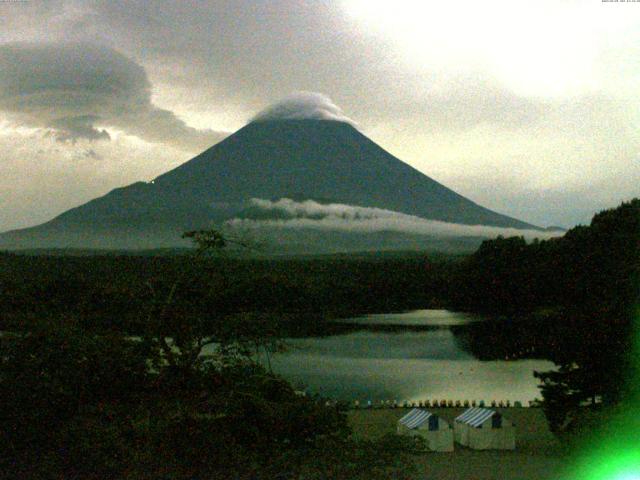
108 292
571 299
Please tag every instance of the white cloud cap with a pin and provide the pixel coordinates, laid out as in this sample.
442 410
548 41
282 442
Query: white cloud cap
303 106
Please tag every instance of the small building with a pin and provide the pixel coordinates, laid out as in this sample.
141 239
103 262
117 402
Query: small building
435 431
484 429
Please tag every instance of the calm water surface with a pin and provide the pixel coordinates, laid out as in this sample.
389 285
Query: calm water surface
409 356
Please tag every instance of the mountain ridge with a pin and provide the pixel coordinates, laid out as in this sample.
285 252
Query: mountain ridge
271 159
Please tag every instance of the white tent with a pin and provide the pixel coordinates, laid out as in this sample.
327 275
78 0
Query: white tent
436 432
484 429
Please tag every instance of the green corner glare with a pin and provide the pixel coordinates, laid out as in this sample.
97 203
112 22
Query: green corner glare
627 475
616 456
621 462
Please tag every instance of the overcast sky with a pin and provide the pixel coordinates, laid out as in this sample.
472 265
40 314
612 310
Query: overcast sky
529 108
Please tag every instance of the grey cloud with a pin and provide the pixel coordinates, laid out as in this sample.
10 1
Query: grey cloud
74 128
244 55
69 78
71 88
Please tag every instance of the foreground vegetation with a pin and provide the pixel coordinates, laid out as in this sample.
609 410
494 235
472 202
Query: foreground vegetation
77 405
96 404
102 376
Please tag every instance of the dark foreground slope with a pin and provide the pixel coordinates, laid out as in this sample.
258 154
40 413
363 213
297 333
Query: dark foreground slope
325 161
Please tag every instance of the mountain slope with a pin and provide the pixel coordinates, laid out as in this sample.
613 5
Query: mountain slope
327 161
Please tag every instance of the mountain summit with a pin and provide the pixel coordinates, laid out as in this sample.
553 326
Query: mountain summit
327 161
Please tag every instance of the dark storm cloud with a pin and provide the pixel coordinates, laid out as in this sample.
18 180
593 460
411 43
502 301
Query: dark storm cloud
73 89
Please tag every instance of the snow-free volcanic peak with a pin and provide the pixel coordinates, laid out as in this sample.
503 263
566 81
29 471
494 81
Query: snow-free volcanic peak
289 151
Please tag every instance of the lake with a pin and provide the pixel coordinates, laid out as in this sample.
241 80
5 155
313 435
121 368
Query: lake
408 356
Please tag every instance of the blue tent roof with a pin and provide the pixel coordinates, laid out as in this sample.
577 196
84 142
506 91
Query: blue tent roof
475 416
415 418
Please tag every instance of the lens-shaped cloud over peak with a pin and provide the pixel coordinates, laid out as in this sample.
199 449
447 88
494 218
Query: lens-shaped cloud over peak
304 106
74 89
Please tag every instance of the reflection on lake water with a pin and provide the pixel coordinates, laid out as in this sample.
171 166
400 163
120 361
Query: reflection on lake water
424 318
409 356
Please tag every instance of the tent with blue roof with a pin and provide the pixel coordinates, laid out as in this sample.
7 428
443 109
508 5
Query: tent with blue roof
436 432
484 429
